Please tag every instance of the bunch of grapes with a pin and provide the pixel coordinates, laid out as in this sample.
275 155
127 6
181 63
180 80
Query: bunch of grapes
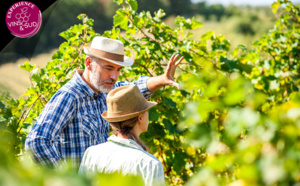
23 17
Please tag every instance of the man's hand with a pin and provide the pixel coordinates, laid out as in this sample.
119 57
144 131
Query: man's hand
155 83
168 76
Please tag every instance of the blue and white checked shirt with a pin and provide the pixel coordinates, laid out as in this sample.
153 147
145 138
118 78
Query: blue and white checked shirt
71 122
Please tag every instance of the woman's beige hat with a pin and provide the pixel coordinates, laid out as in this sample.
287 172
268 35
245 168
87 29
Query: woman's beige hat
108 49
124 103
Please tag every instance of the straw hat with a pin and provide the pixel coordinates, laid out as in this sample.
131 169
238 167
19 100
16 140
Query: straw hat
108 49
126 102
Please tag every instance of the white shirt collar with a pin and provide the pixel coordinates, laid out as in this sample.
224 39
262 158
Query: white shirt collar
125 142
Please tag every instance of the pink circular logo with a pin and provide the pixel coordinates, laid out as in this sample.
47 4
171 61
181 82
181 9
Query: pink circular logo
23 19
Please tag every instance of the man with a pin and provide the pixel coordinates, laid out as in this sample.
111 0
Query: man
71 121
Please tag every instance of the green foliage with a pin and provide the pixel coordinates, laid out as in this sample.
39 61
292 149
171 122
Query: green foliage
25 172
276 56
235 120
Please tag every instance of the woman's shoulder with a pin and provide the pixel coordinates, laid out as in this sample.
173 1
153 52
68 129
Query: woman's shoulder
150 158
100 147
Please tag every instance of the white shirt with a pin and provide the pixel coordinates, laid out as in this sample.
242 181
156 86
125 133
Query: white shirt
125 156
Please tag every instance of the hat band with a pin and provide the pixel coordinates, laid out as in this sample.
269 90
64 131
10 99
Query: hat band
107 55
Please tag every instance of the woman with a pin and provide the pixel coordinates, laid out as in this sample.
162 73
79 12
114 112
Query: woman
127 113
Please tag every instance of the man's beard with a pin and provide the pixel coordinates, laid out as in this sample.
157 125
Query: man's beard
95 81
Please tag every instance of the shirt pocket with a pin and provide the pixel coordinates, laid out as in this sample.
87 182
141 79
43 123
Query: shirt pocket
89 125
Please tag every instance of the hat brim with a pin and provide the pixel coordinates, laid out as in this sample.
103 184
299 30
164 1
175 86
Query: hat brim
124 117
127 60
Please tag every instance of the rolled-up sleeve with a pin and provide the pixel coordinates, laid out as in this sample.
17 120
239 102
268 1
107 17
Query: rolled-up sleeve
141 84
54 117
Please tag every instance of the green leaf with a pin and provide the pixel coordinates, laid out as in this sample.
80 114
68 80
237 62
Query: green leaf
65 35
245 67
2 106
207 35
27 66
229 65
275 6
179 163
169 158
184 93
36 78
133 4
169 102
169 126
196 24
153 114
30 91
120 19
157 129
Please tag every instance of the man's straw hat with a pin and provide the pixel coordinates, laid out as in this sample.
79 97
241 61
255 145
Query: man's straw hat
108 49
124 103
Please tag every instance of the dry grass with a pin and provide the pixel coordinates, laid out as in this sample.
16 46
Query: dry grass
15 80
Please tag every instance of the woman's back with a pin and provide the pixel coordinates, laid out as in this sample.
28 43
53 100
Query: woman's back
125 156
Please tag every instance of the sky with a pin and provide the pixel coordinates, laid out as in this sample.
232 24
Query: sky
243 2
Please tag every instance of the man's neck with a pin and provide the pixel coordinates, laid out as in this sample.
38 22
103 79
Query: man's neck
85 76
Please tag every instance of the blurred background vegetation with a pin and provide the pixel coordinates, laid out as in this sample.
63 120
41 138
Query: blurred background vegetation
239 24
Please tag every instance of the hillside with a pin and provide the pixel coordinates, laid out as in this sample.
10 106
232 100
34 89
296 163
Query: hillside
15 80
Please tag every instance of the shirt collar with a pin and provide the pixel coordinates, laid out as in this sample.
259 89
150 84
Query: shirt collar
125 142
78 80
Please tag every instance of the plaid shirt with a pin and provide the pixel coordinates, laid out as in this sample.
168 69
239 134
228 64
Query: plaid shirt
71 122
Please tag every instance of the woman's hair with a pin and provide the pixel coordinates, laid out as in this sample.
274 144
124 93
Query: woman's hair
125 128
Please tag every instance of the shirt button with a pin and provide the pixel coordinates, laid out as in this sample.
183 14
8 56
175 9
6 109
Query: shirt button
95 96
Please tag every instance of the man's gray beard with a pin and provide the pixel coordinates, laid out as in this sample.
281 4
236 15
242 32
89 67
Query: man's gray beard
97 84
